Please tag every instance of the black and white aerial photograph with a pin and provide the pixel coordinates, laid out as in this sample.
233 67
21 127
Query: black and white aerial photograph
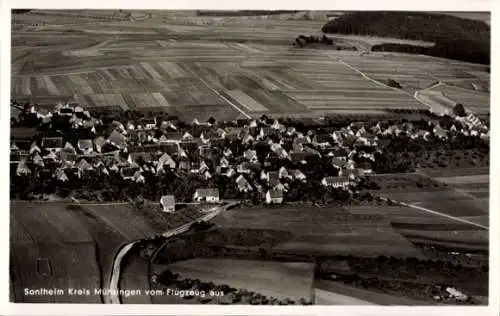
249 157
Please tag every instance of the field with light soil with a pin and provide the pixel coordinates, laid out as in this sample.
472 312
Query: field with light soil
273 279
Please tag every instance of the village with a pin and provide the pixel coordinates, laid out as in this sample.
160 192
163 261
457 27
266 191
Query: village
263 160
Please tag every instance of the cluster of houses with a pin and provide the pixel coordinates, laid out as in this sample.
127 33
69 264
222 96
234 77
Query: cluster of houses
131 149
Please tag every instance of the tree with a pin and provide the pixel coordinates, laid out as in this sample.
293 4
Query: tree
212 120
459 110
393 83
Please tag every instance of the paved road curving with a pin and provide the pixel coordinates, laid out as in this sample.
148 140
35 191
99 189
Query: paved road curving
113 283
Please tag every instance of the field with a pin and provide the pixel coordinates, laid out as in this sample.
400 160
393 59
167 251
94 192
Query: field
335 293
475 101
324 231
227 67
415 73
79 243
50 233
424 192
428 229
272 279
472 181
135 277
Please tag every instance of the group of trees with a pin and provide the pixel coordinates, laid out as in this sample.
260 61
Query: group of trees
454 37
303 40
398 153
409 268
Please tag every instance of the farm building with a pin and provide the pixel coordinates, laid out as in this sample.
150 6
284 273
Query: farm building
167 202
335 182
207 195
274 196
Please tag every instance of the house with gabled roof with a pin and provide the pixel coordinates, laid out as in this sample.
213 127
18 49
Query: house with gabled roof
38 160
243 184
61 175
338 152
350 164
200 168
290 131
85 146
101 169
300 156
322 140
338 163
274 196
297 147
247 139
22 168
274 180
84 166
224 163
312 151
117 139
365 167
184 165
229 172
283 173
44 114
127 173
165 161
206 195
167 203
68 147
227 152
335 182
250 155
187 137
52 156
148 123
298 175
138 177
244 168
15 157
34 149
440 132
422 134
350 140
52 143
136 157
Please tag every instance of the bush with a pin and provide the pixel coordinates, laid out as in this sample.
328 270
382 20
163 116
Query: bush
393 84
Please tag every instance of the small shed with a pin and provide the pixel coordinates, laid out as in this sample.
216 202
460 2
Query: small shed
167 202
